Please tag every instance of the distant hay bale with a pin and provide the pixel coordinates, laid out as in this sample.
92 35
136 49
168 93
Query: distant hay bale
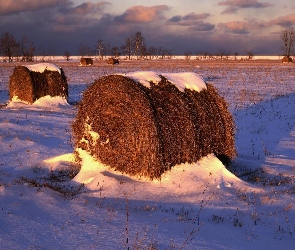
287 59
86 61
30 84
146 128
112 61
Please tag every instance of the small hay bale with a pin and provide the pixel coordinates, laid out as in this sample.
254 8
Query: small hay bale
287 59
112 61
146 127
30 83
86 61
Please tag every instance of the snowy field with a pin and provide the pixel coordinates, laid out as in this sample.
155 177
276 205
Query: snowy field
193 206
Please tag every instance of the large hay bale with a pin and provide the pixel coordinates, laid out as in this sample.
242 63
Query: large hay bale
145 127
86 61
115 123
32 82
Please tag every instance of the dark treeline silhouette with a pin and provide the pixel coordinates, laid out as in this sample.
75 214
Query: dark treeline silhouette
135 47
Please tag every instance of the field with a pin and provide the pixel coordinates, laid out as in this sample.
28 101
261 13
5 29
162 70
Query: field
194 206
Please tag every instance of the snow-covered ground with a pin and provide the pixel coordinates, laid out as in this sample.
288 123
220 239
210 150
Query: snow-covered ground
193 206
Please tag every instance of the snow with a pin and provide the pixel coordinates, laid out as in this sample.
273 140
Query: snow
188 80
41 67
194 206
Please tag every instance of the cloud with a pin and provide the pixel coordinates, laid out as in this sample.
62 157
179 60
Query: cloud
87 8
230 10
234 5
235 27
9 7
244 27
142 14
193 16
193 20
83 16
202 26
284 21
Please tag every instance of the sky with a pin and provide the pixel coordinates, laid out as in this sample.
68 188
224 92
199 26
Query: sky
56 26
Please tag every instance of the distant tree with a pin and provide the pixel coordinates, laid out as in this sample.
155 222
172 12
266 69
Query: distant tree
236 55
116 51
8 46
164 53
67 55
100 48
249 54
27 49
220 53
128 47
152 52
84 50
187 55
161 52
138 44
288 38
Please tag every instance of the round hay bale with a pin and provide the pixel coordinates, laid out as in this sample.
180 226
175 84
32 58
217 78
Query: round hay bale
86 61
145 127
115 123
32 82
175 123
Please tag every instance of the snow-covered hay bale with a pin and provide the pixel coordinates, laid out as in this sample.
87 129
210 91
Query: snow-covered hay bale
86 61
29 83
144 123
115 124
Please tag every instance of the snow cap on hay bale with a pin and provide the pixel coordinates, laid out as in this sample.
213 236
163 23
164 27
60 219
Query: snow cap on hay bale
144 123
86 61
32 82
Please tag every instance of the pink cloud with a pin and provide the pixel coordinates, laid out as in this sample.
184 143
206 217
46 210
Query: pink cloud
284 21
142 14
235 27
243 27
13 7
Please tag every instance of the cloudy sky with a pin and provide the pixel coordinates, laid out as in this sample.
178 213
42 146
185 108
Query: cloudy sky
179 25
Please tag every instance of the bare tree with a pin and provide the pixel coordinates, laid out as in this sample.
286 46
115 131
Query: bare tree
288 38
138 44
128 48
8 46
220 53
67 55
84 50
249 54
152 52
100 47
115 51
27 49
187 54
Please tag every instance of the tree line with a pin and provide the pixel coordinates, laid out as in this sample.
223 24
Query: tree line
134 47
10 48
